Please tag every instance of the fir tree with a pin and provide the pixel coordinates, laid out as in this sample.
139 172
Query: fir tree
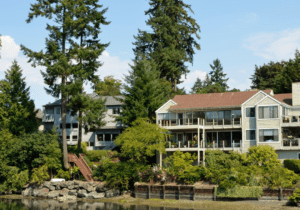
74 37
144 92
17 112
171 43
197 86
217 74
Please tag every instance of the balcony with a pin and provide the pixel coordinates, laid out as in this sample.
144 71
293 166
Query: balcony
291 143
291 121
196 122
48 117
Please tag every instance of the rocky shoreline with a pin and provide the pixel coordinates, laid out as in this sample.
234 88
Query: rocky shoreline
70 190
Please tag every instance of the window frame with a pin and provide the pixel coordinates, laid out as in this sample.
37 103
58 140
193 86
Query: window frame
118 111
254 135
278 133
249 107
278 112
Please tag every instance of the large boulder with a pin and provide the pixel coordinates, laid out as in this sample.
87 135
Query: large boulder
53 194
112 193
64 191
73 192
27 192
81 194
101 187
95 195
43 192
66 198
52 188
71 186
47 185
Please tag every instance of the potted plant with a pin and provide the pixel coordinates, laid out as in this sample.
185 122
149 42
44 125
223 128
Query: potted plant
193 143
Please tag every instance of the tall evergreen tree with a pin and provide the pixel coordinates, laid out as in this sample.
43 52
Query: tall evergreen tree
144 92
17 112
72 49
171 42
198 85
217 74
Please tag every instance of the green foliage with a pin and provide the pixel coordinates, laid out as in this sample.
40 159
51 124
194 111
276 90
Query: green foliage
217 74
296 196
36 149
40 174
109 87
263 155
141 140
197 86
63 174
171 42
292 164
17 111
240 192
97 155
74 149
144 92
15 180
277 76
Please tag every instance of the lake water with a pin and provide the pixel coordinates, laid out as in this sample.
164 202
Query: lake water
45 204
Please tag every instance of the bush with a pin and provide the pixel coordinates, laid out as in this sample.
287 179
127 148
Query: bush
292 164
240 192
15 180
63 174
296 196
40 174
74 150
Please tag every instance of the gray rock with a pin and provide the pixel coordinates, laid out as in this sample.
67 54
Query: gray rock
81 194
51 188
35 192
101 187
71 186
112 193
53 194
64 184
72 192
47 185
57 187
66 198
43 192
95 195
27 192
63 192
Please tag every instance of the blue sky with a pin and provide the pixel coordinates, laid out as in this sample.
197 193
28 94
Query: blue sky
241 34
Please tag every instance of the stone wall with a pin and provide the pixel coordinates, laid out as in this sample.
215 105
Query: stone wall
70 190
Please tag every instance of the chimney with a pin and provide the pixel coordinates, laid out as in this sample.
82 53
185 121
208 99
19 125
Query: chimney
296 93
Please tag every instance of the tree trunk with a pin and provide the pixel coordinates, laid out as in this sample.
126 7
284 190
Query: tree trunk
175 85
79 131
64 130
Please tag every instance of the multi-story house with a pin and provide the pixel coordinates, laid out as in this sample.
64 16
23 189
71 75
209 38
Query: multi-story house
98 140
233 121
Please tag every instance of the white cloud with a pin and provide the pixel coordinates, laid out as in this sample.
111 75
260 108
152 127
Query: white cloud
191 78
113 65
274 46
240 84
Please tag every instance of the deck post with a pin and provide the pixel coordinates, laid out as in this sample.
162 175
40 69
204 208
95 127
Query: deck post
223 144
198 157
203 153
198 137
160 160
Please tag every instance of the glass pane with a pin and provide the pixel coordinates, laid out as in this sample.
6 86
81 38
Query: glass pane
252 112
252 135
107 137
275 114
227 117
248 135
180 137
261 112
224 138
220 117
211 117
248 112
189 136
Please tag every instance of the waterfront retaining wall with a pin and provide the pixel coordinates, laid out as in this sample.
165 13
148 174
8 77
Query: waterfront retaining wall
189 192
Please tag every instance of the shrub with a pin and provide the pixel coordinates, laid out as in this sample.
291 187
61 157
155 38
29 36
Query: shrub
63 174
40 174
296 196
240 192
292 164
74 150
96 155
15 180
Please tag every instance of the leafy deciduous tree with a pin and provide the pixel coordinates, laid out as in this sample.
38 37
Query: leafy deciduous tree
109 87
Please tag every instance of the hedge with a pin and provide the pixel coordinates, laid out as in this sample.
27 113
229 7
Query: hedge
292 164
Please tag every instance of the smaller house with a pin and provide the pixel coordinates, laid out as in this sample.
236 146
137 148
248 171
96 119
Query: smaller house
101 139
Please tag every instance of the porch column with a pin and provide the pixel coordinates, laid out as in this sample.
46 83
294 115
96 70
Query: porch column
198 157
203 137
203 157
198 137
160 160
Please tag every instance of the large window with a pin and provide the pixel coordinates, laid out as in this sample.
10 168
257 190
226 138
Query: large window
250 112
250 135
57 110
100 137
268 135
116 110
107 137
49 110
211 118
266 112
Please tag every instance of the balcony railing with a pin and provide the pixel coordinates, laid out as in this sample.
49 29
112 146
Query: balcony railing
290 142
199 121
291 119
222 145
48 118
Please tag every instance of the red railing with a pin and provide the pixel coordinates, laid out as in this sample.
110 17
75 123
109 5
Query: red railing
84 168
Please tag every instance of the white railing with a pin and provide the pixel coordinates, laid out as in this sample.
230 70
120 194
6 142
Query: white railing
213 145
290 119
290 142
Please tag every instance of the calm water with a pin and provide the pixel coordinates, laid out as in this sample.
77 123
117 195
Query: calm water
36 204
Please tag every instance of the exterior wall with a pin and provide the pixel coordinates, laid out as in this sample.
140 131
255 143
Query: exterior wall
294 112
273 123
296 93
164 109
288 154
249 123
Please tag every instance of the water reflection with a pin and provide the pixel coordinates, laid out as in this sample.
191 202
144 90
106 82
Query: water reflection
36 204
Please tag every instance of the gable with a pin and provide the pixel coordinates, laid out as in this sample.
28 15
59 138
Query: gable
256 98
267 101
165 108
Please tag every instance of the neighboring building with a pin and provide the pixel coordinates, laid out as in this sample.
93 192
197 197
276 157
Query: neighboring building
98 140
233 121
39 117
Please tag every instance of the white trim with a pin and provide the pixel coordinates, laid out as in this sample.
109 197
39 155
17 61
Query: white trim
267 96
269 118
260 91
165 104
246 134
246 111
275 142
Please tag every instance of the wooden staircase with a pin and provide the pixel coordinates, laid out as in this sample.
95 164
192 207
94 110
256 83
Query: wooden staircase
84 168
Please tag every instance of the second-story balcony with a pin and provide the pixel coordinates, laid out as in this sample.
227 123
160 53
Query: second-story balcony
291 120
196 122
48 118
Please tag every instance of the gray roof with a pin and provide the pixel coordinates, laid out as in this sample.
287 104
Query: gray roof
110 100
